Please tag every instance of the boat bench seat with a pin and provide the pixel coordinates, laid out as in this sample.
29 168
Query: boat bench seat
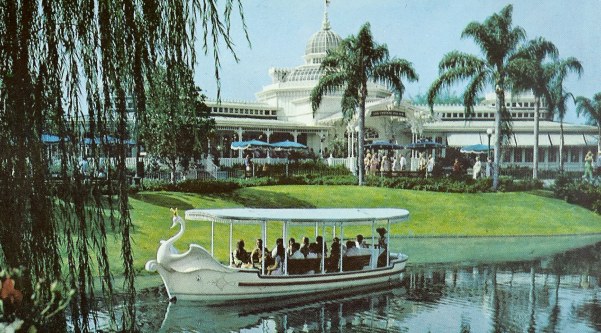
355 263
302 266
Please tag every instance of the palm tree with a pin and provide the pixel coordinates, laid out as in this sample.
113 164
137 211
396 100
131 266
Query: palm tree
499 42
530 73
591 109
349 67
559 97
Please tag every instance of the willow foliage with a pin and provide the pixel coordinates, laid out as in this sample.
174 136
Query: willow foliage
66 68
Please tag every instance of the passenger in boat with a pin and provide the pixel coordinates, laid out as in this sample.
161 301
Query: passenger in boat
278 265
319 245
279 244
241 256
305 246
314 252
360 242
351 249
256 256
383 245
334 259
296 253
291 242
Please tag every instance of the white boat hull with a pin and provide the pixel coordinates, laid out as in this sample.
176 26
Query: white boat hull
239 284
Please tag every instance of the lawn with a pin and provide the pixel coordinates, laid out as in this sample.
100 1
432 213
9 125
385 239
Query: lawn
432 214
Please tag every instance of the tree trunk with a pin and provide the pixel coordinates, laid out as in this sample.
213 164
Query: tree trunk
496 163
535 147
173 167
361 134
599 140
560 145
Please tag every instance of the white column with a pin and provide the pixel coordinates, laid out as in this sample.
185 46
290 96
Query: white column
239 140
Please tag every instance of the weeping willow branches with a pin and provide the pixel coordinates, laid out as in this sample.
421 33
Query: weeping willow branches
69 68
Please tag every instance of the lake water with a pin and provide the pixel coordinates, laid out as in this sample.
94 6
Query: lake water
534 284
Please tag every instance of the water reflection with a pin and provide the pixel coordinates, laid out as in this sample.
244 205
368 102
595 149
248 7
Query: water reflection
558 293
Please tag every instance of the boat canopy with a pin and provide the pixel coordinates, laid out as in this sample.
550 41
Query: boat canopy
354 216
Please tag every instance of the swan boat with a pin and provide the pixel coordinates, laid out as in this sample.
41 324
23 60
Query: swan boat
197 275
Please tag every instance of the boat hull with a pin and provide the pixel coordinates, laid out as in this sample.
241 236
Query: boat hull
239 284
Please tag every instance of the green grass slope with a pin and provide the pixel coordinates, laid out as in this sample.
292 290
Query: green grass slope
432 214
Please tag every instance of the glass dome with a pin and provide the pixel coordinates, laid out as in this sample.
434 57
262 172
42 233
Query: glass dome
305 74
322 41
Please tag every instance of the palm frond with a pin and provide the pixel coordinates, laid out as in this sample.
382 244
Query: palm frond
329 83
590 109
457 59
392 72
472 91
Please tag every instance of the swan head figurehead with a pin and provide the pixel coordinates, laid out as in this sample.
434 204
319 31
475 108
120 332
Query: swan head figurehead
167 249
176 218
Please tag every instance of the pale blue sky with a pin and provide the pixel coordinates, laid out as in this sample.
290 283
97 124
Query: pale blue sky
420 31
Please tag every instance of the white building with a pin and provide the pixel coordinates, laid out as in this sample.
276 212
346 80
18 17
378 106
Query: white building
283 112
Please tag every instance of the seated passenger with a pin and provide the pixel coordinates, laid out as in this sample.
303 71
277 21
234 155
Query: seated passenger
314 252
279 243
256 256
319 244
383 245
296 253
241 257
278 265
334 259
352 250
291 242
305 246
360 243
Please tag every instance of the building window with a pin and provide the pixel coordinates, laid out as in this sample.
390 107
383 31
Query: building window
506 156
517 155
553 154
574 155
529 155
541 155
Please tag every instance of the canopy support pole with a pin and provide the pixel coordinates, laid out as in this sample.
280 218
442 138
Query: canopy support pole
340 246
285 263
387 242
341 240
263 254
374 263
323 248
231 237
212 238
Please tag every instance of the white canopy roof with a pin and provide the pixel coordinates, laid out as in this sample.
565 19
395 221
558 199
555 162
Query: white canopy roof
299 215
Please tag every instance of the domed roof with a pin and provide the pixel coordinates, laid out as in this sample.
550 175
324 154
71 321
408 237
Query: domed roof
322 41
305 73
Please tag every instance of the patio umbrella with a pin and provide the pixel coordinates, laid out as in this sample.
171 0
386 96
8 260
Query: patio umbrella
383 145
288 145
475 149
50 138
425 145
242 145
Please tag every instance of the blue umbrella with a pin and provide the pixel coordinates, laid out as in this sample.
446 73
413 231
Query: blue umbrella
425 145
242 145
475 149
383 145
50 138
288 145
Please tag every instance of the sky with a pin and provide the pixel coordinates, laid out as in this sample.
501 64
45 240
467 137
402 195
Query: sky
420 31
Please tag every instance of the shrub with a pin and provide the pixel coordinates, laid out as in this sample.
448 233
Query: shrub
579 192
